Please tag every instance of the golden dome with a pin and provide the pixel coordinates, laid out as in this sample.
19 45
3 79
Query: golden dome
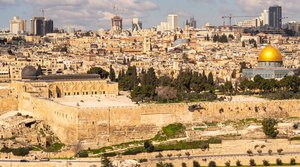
270 53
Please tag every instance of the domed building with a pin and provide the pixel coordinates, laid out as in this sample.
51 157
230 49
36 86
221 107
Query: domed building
29 72
270 65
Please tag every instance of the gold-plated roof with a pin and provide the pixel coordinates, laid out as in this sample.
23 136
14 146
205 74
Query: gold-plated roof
270 53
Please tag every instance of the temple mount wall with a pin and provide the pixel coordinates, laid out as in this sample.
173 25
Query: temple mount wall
97 127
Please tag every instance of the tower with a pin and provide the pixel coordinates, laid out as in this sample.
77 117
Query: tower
38 26
17 26
147 45
117 23
48 26
136 24
172 22
275 17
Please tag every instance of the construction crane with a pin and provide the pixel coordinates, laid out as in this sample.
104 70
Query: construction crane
43 12
230 18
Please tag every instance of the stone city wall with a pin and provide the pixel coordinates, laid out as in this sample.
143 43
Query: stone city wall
62 119
97 127
8 104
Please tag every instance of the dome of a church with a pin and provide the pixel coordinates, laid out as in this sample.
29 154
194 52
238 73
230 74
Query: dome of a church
270 54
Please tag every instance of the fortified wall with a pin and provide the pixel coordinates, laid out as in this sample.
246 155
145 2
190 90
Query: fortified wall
98 127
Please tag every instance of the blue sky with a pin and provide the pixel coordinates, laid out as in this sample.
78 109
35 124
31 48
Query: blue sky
95 14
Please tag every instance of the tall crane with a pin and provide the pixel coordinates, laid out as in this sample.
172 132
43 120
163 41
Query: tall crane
230 18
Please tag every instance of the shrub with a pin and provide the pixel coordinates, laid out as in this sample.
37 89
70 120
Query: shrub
20 151
111 154
269 127
183 164
238 163
171 131
149 146
249 152
278 161
266 163
143 160
293 161
252 162
279 151
212 164
134 151
270 152
83 154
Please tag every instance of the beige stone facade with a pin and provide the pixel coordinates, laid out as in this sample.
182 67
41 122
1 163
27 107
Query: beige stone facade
61 88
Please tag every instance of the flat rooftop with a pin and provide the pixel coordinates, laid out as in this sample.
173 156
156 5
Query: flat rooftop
95 101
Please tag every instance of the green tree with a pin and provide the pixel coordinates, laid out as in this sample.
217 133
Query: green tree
39 71
98 70
266 163
227 163
238 163
212 164
130 79
149 146
228 87
196 164
293 161
112 74
252 162
243 44
279 162
210 79
269 127
223 39
105 162
216 38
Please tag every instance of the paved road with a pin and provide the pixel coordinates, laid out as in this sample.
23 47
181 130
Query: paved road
221 156
156 159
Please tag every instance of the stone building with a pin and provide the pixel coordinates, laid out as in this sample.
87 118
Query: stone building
58 86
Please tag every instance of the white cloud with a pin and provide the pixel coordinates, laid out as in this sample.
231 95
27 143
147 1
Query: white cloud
91 13
289 6
7 2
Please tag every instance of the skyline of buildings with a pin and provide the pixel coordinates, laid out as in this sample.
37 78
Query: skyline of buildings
40 26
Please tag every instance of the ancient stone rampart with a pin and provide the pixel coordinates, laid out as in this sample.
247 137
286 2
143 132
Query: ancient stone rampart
97 127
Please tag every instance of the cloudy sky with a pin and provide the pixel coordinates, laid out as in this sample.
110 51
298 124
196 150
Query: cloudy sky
95 14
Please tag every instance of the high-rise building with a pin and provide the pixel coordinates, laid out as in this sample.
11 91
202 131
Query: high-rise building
49 26
172 21
38 26
265 18
136 24
275 17
117 23
17 26
192 23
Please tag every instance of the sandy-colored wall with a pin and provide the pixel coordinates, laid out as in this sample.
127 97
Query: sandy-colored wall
8 104
62 119
104 126
97 127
